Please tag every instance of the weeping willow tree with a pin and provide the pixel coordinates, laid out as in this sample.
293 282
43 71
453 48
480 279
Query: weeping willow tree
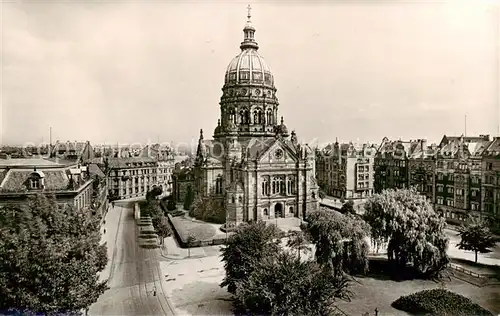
340 241
413 230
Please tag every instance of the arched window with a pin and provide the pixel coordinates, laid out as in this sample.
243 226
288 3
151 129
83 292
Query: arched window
274 187
232 116
242 117
282 187
290 209
261 118
232 199
255 117
247 117
266 212
269 117
289 187
218 186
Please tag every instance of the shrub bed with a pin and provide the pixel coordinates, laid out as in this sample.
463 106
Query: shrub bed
438 302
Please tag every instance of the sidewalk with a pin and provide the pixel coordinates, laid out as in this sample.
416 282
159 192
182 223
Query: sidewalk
170 250
110 226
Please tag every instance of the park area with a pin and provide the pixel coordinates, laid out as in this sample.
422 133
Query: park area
197 292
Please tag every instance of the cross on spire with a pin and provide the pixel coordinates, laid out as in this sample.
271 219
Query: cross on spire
249 8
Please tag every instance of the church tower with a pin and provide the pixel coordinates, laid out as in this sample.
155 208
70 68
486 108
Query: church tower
248 105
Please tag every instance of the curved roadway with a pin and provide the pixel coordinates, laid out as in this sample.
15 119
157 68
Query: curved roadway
135 275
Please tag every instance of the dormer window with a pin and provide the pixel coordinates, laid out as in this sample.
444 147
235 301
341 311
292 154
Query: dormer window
35 181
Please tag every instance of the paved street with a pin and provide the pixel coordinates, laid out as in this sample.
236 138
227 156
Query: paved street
134 274
492 258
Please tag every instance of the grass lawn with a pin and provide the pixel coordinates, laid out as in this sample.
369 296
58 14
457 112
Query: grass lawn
201 231
477 267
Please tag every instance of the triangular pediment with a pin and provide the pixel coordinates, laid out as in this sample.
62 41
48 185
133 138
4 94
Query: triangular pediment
279 152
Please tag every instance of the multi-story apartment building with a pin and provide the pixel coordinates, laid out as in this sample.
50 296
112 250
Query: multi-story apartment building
70 183
458 176
346 170
422 168
490 182
133 177
391 164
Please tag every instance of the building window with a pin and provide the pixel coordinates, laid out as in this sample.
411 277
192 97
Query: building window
450 189
440 176
440 200
450 203
218 186
473 192
459 192
266 212
232 199
35 183
291 209
440 189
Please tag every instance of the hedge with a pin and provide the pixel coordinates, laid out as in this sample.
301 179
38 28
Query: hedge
439 302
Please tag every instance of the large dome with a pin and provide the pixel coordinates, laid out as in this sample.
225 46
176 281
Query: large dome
248 67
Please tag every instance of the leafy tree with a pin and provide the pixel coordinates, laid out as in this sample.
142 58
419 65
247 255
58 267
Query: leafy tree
245 249
171 205
298 241
413 230
188 200
50 257
340 241
283 285
208 209
162 227
348 208
476 236
153 193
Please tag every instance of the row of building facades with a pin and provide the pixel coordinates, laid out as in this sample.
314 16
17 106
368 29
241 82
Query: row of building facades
460 175
75 173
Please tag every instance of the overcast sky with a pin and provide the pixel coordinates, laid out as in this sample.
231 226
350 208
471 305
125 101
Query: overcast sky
132 71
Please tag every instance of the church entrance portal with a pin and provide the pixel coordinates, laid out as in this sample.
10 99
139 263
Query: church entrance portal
278 210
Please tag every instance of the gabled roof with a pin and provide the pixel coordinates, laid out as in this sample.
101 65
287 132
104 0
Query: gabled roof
131 162
80 149
493 148
398 148
464 147
55 179
95 170
466 139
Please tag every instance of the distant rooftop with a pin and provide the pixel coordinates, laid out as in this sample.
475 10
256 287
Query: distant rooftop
30 162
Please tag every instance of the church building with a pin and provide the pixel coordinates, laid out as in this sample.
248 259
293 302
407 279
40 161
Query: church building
253 167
